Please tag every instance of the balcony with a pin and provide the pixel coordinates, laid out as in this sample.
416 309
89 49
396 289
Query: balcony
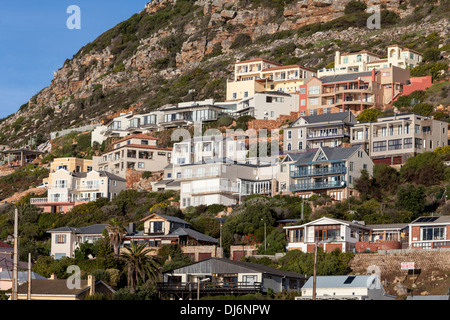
206 288
330 135
318 171
209 190
317 186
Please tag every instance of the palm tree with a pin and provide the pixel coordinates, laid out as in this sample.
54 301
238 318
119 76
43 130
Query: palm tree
140 265
116 234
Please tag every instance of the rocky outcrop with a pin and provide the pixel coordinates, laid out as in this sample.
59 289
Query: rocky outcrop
81 87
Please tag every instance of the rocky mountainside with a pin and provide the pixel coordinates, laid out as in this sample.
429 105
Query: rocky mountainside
160 54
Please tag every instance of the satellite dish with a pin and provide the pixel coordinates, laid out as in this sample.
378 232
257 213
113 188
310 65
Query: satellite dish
342 183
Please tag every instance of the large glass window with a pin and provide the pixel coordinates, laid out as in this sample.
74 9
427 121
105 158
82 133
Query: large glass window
395 144
432 233
327 232
379 146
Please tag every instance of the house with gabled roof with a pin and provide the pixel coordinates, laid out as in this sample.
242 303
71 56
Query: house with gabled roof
65 240
160 230
326 130
326 171
328 233
223 276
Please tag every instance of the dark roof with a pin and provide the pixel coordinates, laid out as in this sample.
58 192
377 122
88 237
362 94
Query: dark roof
168 218
388 226
92 229
327 117
56 287
101 173
432 220
220 265
330 153
345 77
194 234
22 276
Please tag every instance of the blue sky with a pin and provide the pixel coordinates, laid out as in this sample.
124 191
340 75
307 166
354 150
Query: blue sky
35 41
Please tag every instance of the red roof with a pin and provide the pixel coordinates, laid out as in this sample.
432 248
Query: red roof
288 67
137 136
257 60
142 146
4 245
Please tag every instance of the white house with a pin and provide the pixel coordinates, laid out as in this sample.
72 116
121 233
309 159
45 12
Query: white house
347 287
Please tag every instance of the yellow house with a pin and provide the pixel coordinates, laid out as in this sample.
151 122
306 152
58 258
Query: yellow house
70 165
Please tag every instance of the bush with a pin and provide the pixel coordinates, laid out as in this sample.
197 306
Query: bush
425 109
355 6
241 40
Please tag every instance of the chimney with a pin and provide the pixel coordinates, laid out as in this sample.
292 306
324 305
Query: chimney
91 285
373 75
131 228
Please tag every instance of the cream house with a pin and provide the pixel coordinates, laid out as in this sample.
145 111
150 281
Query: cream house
72 188
259 75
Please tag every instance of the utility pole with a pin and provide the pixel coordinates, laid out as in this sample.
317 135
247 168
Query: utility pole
315 271
16 254
29 277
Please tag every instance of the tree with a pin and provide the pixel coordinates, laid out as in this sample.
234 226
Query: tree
369 115
431 54
386 177
425 168
425 109
412 199
116 233
140 266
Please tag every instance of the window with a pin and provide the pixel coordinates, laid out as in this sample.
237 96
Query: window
399 132
302 90
345 60
289 146
300 145
144 142
407 142
313 101
314 90
395 144
303 102
245 94
60 238
157 227
141 165
296 235
289 134
234 95
418 143
351 166
432 233
358 58
379 146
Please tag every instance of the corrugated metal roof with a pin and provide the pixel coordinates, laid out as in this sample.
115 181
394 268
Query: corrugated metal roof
221 266
361 281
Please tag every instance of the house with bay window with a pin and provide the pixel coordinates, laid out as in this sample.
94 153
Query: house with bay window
430 233
327 233
138 152
324 130
68 189
327 171
160 230
65 240
393 139
347 236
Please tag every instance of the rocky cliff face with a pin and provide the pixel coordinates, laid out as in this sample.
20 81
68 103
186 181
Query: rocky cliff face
156 56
